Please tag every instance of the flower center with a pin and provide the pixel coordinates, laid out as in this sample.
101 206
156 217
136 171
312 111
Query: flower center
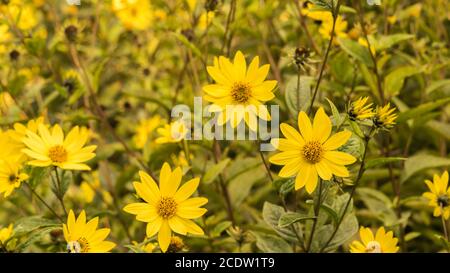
240 92
79 246
312 151
443 200
13 178
167 207
373 247
57 154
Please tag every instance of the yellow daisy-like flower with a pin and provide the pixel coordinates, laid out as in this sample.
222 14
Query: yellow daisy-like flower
439 195
10 176
384 116
339 29
52 149
167 208
144 129
82 237
311 152
359 109
20 131
239 90
172 133
383 242
6 233
92 185
134 14
316 14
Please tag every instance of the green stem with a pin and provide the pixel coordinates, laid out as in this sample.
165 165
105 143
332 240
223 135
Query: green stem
43 202
316 214
444 226
60 194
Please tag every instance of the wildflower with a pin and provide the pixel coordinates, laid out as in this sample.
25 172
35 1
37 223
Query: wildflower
82 237
382 242
439 195
238 87
363 41
172 133
144 129
5 234
384 117
359 109
340 28
90 186
51 148
144 247
134 14
311 152
167 208
11 176
23 15
176 245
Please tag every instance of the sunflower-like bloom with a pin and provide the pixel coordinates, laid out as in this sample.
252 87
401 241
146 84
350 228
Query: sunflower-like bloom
383 242
144 129
239 90
385 117
359 109
11 176
172 133
6 233
439 195
167 208
82 237
134 14
311 152
339 29
52 149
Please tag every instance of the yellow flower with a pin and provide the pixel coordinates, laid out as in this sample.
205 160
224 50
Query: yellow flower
382 243
144 129
23 15
20 131
384 116
362 41
144 247
439 195
10 176
205 20
171 133
6 233
167 208
311 153
82 237
176 245
51 148
181 160
90 186
316 14
134 14
339 30
359 109
239 90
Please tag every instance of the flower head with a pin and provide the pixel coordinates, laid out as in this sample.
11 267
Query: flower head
168 207
439 195
144 129
239 90
310 153
171 133
176 245
359 109
6 233
134 14
11 176
52 149
82 237
383 242
384 117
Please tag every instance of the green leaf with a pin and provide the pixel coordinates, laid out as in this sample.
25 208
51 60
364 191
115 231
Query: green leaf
421 162
421 110
290 218
442 128
337 118
269 243
376 162
303 96
271 214
330 212
214 171
219 228
437 85
356 50
180 37
27 224
348 228
394 81
35 236
387 41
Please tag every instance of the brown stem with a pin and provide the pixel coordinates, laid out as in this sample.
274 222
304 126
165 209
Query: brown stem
43 202
316 214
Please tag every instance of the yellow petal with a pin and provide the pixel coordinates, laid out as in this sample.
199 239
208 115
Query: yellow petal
321 126
186 190
290 133
339 158
240 66
323 171
291 168
366 235
177 225
304 124
164 236
153 227
337 140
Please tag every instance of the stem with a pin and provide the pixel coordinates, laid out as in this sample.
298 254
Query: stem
60 194
316 214
444 225
43 202
372 56
305 27
335 13
298 86
352 193
230 18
